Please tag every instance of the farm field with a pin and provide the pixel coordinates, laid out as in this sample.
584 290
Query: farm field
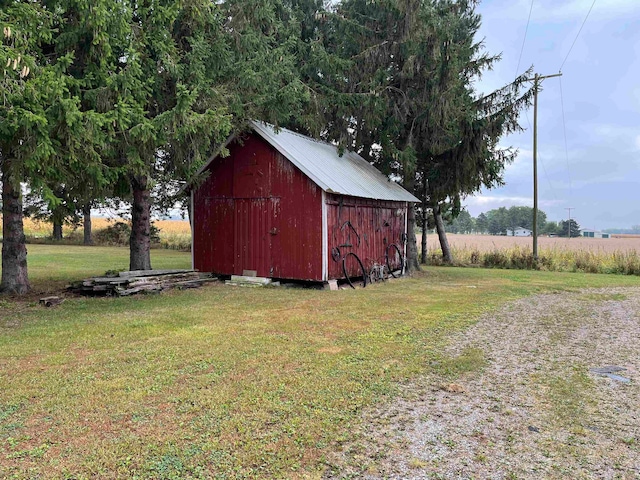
225 382
172 234
486 243
589 255
35 228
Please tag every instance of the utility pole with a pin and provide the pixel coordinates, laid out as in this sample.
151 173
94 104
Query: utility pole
570 208
536 86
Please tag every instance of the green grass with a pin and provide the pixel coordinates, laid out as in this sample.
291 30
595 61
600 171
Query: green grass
53 266
223 382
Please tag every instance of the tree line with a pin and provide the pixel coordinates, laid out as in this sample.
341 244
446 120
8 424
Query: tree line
118 101
501 220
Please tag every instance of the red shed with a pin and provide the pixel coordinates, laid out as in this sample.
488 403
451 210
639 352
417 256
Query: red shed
290 207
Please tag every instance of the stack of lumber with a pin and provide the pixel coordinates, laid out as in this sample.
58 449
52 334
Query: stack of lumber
129 283
250 281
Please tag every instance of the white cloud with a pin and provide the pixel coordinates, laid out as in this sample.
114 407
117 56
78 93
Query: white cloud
500 200
553 10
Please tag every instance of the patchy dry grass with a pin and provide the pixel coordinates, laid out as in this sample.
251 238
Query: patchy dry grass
224 382
531 409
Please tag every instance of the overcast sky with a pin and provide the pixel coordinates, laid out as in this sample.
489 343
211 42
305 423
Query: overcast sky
601 92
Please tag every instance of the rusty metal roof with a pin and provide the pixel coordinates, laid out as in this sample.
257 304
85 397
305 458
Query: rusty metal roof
349 174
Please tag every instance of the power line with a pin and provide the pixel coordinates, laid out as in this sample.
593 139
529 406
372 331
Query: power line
575 39
566 148
544 168
536 87
525 38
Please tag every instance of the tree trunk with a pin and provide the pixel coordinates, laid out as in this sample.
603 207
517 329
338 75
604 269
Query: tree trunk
57 230
412 247
140 240
409 183
14 249
86 217
442 235
424 235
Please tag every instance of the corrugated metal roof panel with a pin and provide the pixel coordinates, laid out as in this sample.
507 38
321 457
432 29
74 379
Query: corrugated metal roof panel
349 174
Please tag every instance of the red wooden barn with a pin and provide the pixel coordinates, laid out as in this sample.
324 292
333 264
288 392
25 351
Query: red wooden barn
290 207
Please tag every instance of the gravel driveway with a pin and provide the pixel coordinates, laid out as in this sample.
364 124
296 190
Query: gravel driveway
533 408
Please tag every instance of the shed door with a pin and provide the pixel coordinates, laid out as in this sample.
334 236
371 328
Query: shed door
256 229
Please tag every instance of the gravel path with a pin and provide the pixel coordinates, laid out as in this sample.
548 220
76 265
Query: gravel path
534 411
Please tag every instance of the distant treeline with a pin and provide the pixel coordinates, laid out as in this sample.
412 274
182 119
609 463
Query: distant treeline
498 221
634 230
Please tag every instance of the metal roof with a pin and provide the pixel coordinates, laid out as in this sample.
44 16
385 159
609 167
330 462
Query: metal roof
349 174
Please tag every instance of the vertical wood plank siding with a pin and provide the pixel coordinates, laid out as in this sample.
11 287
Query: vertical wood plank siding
362 226
257 211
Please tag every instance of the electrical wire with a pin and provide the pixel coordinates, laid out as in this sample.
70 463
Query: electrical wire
566 148
525 38
575 39
544 169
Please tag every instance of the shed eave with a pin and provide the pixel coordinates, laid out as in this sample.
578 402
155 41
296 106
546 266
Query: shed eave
369 176
362 188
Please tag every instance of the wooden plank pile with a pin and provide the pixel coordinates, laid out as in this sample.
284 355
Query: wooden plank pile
129 283
250 281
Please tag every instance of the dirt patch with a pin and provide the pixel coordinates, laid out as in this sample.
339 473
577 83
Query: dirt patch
533 410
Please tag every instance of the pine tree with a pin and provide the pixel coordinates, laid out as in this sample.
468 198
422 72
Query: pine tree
28 87
433 130
52 132
169 113
569 227
195 72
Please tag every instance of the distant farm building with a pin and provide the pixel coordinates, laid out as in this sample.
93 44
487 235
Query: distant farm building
519 232
285 206
594 234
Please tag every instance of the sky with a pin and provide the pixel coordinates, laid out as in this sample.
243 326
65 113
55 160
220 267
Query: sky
598 174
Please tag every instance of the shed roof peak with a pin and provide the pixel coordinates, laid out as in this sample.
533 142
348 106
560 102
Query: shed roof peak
347 174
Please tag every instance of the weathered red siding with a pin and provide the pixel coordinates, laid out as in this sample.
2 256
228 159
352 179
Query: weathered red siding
362 226
257 211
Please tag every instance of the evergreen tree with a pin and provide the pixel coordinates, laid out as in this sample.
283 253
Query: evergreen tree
32 86
419 117
569 228
169 113
52 134
197 71
25 87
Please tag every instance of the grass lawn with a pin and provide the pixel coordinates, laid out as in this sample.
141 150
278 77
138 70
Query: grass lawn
53 266
221 381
